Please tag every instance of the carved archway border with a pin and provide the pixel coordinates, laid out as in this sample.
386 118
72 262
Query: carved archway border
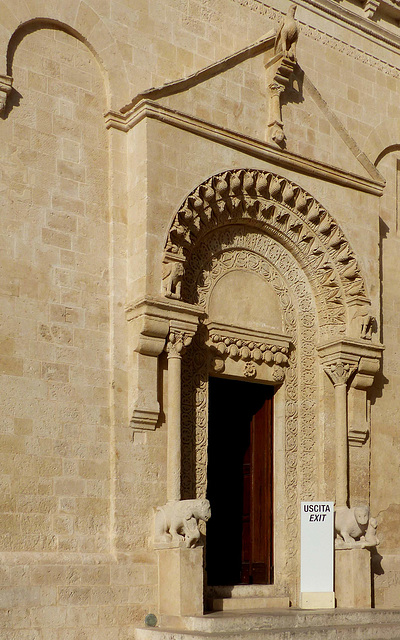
238 247
288 213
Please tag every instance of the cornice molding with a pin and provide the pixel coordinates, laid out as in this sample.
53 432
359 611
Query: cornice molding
341 15
234 139
212 70
357 22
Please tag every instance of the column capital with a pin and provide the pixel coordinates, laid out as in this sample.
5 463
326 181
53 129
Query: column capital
339 372
342 357
177 341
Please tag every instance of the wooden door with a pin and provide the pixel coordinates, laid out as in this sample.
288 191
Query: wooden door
257 527
239 543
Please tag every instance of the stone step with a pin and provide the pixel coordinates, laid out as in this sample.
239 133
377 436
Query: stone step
340 632
275 619
283 625
257 602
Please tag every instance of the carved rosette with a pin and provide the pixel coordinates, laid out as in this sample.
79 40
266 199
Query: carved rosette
284 211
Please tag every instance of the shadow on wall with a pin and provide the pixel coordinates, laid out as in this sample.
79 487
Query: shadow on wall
380 381
294 92
13 100
376 570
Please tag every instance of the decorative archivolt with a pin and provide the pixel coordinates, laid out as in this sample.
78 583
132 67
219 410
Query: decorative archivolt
284 211
239 248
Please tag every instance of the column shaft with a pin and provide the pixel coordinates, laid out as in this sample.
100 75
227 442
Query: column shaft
174 428
341 445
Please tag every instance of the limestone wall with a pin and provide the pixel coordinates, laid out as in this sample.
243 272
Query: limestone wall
84 217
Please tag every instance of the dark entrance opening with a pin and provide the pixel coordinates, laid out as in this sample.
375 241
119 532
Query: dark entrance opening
239 543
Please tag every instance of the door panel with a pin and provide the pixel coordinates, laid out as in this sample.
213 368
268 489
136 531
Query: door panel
239 534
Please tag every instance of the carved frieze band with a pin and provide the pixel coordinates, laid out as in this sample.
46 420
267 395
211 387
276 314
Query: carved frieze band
251 352
285 211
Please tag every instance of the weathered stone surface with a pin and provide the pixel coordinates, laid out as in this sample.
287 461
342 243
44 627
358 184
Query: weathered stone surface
185 174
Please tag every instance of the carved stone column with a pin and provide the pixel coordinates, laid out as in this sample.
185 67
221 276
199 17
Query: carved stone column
279 72
341 359
275 123
177 341
339 373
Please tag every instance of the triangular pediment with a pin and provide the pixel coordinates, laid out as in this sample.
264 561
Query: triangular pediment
233 94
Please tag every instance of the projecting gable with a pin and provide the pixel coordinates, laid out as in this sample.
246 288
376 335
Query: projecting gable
254 94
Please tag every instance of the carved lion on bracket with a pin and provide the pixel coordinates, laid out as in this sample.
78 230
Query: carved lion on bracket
177 523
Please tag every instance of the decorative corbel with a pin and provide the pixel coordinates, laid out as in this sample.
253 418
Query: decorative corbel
5 90
149 324
280 69
148 330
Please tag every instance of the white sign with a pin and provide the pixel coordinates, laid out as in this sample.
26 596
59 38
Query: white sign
317 547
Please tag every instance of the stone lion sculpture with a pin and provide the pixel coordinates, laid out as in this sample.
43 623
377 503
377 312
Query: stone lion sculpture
172 279
354 528
365 322
178 522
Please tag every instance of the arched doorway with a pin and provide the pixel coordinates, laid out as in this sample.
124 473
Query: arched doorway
292 279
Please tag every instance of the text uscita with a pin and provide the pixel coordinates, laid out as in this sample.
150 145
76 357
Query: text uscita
318 512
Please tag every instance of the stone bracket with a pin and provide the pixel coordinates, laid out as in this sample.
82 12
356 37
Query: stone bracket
6 83
364 356
149 324
280 70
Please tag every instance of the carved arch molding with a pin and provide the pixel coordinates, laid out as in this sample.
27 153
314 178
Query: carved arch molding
287 213
259 222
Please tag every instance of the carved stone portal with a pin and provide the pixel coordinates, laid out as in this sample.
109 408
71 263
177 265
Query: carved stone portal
248 221
236 249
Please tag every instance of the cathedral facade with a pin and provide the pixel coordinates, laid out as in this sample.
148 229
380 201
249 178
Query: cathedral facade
200 224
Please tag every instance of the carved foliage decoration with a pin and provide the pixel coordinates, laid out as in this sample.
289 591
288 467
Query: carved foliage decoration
239 248
286 212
